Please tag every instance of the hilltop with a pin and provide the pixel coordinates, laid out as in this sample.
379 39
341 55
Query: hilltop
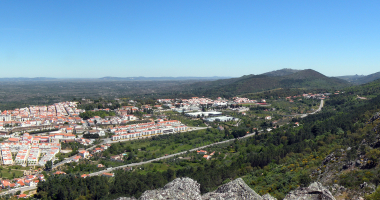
286 78
281 72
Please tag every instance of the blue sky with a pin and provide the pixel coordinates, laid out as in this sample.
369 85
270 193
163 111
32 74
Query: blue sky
93 39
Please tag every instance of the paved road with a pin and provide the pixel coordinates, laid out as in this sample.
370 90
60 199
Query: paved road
191 150
305 115
168 156
319 109
88 149
22 189
109 141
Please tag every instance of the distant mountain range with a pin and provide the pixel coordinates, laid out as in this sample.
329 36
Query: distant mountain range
140 78
350 78
17 79
285 73
360 79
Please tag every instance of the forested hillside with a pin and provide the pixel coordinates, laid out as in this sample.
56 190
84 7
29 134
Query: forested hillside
307 79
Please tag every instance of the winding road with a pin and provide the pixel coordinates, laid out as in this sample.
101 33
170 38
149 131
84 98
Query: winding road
109 141
305 115
168 156
22 189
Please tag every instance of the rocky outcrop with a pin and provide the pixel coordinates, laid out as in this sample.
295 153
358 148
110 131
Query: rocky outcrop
314 192
180 188
268 197
126 198
337 190
236 189
186 188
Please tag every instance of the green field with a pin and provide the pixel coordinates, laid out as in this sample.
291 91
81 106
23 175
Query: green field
5 173
157 146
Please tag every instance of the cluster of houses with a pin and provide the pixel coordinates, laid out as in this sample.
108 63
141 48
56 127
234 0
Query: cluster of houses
310 96
29 150
212 116
193 104
240 100
221 119
123 115
84 141
204 153
33 116
100 149
147 129
84 154
30 180
197 103
121 119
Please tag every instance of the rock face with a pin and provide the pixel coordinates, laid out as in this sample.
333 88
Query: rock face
179 188
314 192
236 189
126 198
188 189
268 197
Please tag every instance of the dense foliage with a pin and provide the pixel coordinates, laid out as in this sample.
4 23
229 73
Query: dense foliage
100 113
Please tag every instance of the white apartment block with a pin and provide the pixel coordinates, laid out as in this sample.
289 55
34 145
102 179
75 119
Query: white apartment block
6 156
29 150
34 153
21 157
147 129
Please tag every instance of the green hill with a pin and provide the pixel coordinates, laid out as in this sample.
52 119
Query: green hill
308 79
281 72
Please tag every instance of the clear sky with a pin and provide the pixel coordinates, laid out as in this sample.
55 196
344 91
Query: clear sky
90 39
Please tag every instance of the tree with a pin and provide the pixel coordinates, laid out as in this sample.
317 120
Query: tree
170 174
48 165
304 180
131 156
